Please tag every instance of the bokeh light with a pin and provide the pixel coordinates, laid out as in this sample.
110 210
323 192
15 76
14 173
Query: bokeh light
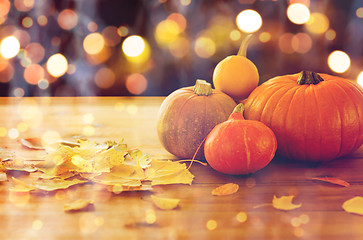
105 78
339 61
180 47
318 23
264 37
67 19
285 43
204 47
330 34
249 21
35 52
42 20
93 43
136 83
167 31
359 12
298 13
9 47
122 31
24 5
33 74
301 42
6 71
360 78
235 35
111 36
211 225
57 65
4 7
133 46
50 137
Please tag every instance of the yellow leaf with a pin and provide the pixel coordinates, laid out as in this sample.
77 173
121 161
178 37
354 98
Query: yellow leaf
165 203
225 189
284 203
19 186
56 184
354 205
32 143
78 205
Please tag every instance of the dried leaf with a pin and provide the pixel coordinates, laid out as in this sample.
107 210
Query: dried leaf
56 184
226 189
284 203
78 205
19 186
18 165
165 203
354 205
32 143
332 180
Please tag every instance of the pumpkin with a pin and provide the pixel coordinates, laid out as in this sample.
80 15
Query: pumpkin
315 117
236 75
188 114
238 146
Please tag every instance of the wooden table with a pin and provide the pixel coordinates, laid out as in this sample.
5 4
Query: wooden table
200 215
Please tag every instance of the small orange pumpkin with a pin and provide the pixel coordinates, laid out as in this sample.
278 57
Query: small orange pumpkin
188 114
314 117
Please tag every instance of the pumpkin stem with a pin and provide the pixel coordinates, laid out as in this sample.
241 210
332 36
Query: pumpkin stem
243 48
202 88
237 112
309 77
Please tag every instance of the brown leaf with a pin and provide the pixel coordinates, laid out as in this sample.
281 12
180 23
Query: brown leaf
32 143
79 205
354 205
284 203
226 189
332 180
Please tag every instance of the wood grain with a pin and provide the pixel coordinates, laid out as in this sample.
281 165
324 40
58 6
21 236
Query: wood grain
124 216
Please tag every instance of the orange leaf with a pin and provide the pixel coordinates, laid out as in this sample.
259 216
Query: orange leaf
32 143
284 203
332 180
78 205
226 189
354 205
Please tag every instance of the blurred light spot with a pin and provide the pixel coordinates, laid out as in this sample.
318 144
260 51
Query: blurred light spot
264 37
89 130
9 47
179 19
241 217
150 216
235 35
204 47
88 118
119 106
105 78
4 7
6 71
13 133
211 225
132 109
37 224
250 182
23 37
50 137
43 84
27 22
3 132
18 92
330 34
71 69
298 13
295 222
33 73
67 19
93 43
35 52
301 42
360 78
166 32
299 232
42 20
19 199
318 23
359 12
57 65
249 21
99 221
338 61
92 26
304 218
101 57
122 31
22 127
111 36
87 223
23 5
185 2
285 43
55 41
133 46
305 2
136 83
180 47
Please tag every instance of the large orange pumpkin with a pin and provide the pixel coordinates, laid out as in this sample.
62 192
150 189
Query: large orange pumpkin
314 117
188 114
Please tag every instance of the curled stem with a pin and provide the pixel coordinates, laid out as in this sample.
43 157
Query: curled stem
243 48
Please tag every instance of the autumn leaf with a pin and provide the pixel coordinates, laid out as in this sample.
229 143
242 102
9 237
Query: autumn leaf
32 143
332 180
78 205
165 203
354 205
56 184
226 189
284 203
19 186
